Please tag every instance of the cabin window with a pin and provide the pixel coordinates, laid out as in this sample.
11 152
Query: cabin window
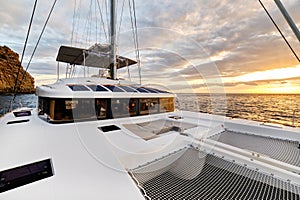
150 90
61 109
148 106
78 88
84 109
142 90
119 108
161 91
128 89
97 88
43 106
101 108
133 107
114 88
166 105
124 107
69 110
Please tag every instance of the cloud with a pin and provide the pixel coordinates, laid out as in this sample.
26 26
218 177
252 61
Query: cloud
178 40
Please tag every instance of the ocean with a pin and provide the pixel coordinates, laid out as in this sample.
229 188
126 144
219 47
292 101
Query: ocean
272 108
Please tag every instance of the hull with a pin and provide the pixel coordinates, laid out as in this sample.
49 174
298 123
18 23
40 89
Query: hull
147 156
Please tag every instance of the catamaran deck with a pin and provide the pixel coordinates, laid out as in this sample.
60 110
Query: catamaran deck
283 150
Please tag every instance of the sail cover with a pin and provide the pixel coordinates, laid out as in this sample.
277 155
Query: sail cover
95 56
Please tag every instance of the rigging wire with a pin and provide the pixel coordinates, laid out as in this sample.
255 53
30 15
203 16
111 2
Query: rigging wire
107 20
23 52
135 37
73 22
137 42
42 32
87 26
24 48
122 11
96 19
76 23
102 20
38 41
277 27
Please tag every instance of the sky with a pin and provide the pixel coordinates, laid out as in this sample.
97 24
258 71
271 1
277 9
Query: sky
202 46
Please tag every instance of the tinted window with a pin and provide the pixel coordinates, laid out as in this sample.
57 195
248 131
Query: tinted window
114 88
120 108
166 105
159 91
78 88
128 89
101 108
97 88
82 109
148 106
124 107
151 90
44 104
142 90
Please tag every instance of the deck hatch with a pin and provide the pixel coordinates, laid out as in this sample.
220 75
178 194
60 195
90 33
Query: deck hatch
17 121
26 174
22 113
109 128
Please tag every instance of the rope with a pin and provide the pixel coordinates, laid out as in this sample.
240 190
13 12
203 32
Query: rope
291 48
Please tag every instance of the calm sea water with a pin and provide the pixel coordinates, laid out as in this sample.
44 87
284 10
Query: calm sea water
27 100
273 108
280 109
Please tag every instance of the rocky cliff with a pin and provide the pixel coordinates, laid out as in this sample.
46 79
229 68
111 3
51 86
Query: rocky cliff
9 67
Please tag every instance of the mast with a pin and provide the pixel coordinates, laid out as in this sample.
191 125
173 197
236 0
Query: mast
288 18
113 63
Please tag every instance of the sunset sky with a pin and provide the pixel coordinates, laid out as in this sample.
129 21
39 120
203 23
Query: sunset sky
186 46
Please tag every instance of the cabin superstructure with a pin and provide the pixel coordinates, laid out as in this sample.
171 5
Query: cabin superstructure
98 98
83 99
